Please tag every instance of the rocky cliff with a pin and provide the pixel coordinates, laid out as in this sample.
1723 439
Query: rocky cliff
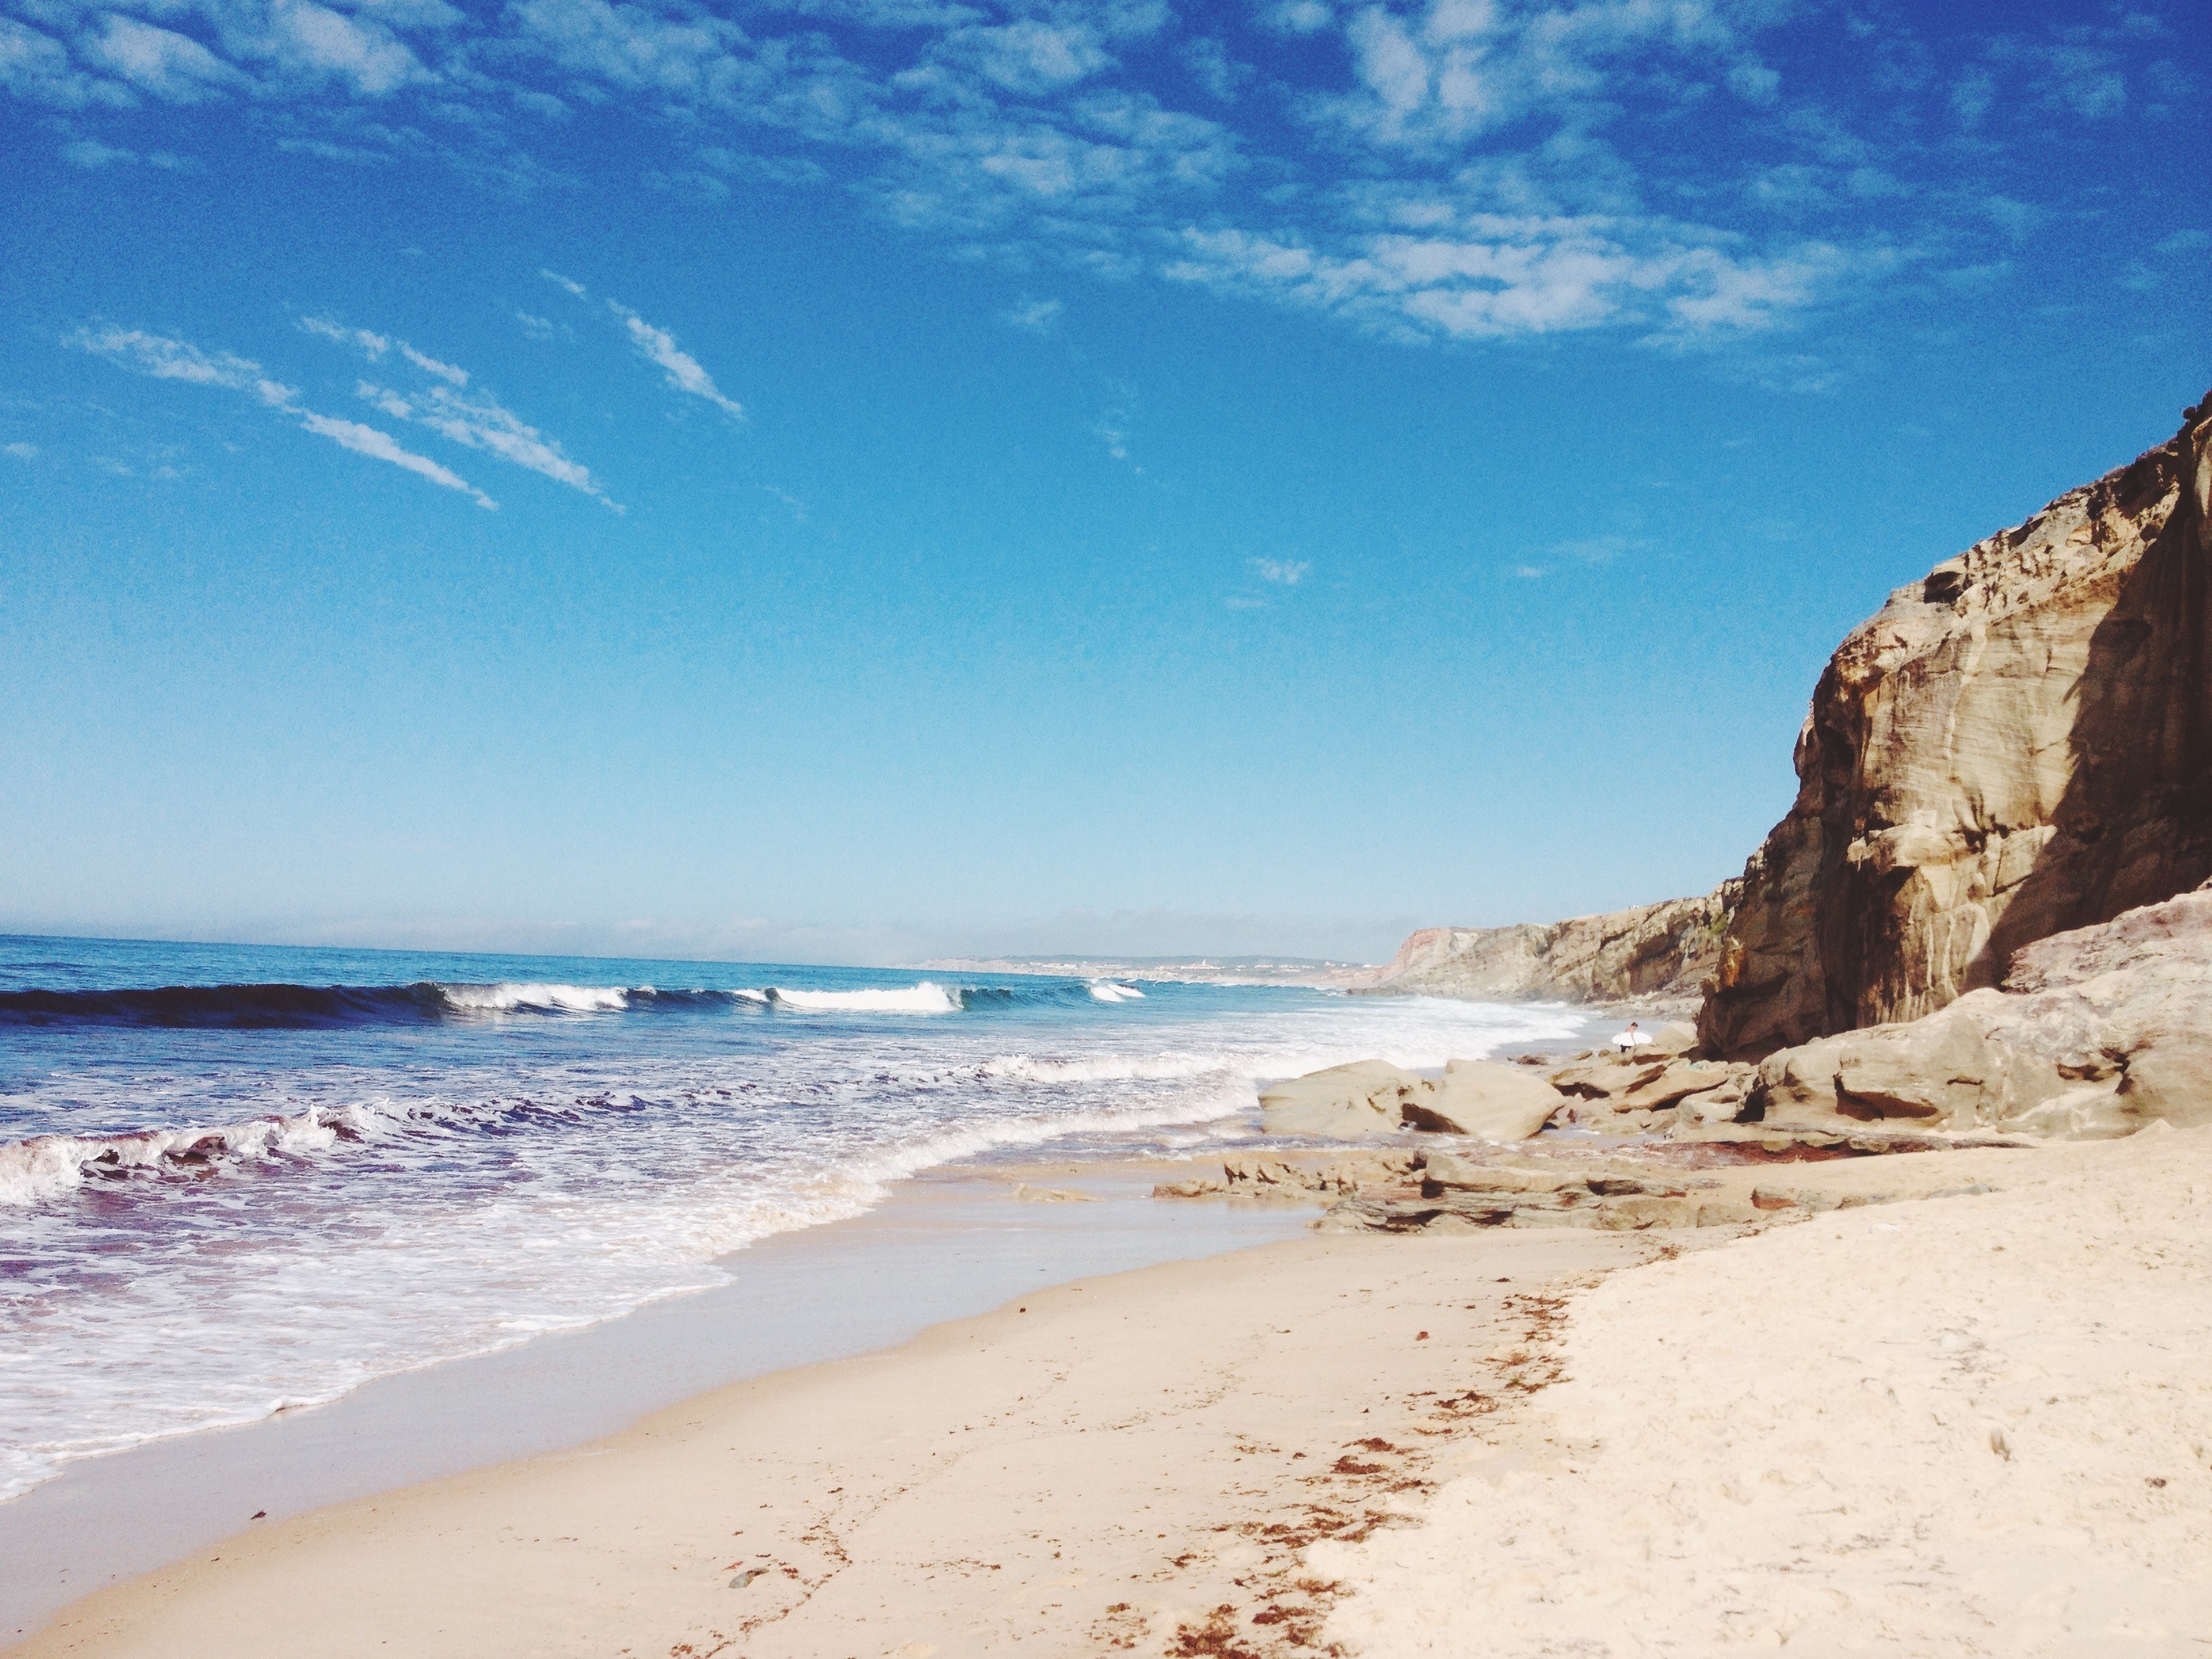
1656 950
2099 1031
2018 744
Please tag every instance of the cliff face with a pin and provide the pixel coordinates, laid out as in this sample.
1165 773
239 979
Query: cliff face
2096 1033
1655 950
2018 744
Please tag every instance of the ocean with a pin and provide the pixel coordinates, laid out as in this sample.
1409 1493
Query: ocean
240 1180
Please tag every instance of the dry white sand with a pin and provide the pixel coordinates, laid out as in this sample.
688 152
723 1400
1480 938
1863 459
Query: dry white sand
1974 1426
1095 1469
1928 1427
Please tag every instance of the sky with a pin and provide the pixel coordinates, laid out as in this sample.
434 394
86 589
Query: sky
863 480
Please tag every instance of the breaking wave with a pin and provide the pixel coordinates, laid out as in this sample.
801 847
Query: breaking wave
922 999
310 1007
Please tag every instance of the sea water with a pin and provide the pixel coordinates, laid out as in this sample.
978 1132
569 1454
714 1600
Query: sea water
239 1180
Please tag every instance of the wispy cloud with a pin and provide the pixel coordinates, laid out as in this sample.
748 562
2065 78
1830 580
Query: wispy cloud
681 369
162 357
445 372
90 153
479 420
1285 573
1457 170
542 328
22 452
375 347
371 345
475 420
1035 316
381 445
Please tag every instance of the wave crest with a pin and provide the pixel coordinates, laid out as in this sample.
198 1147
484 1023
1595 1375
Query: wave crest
923 998
50 1166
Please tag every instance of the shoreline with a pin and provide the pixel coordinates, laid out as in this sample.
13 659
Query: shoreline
1299 1447
1089 1468
947 1244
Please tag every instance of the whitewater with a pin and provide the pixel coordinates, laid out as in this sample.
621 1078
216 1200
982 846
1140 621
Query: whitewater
236 1181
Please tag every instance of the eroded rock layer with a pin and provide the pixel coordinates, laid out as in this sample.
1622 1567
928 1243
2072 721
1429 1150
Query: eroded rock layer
2018 744
1653 951
2096 1033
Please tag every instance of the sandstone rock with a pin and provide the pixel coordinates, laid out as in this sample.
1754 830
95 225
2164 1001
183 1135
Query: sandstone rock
1607 1078
1678 1080
1653 951
1681 1037
1726 1213
1538 1218
1449 1221
1259 1174
1030 1194
2019 745
2097 1032
1197 1187
1634 1214
1447 1171
1345 1102
1495 1103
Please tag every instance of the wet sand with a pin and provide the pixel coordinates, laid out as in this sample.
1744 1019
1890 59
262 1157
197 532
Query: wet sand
949 1244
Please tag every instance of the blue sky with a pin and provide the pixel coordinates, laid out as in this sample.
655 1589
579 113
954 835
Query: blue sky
846 481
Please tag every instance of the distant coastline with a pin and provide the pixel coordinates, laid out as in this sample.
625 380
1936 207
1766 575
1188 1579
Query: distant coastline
1312 972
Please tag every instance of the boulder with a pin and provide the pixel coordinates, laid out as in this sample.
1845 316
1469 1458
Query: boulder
1681 1037
2017 747
1606 1078
1682 1079
1493 1102
1449 1172
1344 1102
2096 1033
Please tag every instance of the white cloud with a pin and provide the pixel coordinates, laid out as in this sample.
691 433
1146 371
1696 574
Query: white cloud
681 369
22 452
1433 169
1287 573
476 420
1754 82
479 420
173 67
1971 96
162 357
1029 56
90 153
1036 316
373 346
312 41
445 372
1297 16
36 68
540 328
381 446
1211 66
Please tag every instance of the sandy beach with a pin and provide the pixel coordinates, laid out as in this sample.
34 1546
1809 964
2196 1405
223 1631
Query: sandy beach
1969 1424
